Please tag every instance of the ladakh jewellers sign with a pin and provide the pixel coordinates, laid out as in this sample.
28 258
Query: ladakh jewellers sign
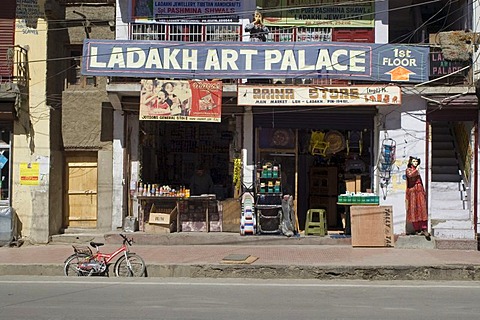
236 60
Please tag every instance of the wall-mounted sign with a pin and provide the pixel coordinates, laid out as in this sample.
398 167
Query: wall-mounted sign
250 95
319 13
168 100
224 10
29 173
240 60
441 67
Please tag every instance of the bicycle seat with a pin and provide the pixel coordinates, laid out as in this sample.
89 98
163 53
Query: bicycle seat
96 244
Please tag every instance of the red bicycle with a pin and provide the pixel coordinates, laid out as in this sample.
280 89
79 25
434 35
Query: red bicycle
84 262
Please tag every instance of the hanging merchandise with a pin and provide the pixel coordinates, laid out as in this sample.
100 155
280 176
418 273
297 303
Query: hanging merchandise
386 162
355 141
335 140
318 145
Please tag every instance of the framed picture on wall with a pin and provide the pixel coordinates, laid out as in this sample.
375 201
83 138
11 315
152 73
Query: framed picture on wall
272 138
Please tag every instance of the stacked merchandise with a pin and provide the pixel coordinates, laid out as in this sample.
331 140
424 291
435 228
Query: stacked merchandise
268 203
193 216
248 223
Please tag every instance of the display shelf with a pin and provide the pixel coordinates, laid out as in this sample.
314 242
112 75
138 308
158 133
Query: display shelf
268 201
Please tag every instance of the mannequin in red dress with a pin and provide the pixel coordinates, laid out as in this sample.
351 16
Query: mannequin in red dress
415 199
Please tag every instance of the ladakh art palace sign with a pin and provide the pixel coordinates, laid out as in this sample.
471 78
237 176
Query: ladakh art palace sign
250 60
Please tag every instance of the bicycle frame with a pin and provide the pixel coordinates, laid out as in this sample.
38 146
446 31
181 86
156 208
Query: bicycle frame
108 257
85 262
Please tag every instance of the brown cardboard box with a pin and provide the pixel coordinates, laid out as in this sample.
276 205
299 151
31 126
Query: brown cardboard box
372 226
354 185
157 228
231 213
162 215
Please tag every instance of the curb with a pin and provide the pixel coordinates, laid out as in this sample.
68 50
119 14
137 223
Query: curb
436 273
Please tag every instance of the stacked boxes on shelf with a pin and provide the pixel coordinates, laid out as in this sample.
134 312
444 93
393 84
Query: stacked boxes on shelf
193 216
268 202
359 198
248 223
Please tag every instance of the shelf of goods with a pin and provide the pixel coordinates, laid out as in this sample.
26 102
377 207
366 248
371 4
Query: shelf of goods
268 199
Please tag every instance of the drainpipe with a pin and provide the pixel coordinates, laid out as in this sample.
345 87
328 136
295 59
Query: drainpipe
475 179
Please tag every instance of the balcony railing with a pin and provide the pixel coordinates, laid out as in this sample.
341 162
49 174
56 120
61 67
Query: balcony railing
186 32
15 68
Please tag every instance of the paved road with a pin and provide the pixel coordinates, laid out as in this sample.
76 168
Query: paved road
180 298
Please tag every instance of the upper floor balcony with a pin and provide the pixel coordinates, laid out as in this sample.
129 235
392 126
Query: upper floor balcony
14 65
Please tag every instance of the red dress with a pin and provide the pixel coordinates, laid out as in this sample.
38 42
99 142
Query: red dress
415 197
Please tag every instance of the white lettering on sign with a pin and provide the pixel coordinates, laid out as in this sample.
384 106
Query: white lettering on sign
248 53
343 60
402 57
153 59
93 59
229 59
212 62
116 59
135 57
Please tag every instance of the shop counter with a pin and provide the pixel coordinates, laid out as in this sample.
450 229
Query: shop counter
172 211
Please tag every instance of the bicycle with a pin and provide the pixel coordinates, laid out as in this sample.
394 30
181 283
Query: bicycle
84 262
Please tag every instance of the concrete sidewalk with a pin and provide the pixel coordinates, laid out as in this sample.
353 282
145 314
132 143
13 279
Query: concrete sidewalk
289 258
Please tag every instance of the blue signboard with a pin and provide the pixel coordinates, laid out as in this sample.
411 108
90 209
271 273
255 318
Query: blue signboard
237 60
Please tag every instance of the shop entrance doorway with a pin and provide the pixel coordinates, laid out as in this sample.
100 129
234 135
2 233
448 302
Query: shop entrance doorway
315 179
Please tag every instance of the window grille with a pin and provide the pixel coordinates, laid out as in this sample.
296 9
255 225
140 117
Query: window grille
187 32
223 33
149 32
280 34
313 34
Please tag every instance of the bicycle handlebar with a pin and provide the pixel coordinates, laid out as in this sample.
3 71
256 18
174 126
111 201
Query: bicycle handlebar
126 240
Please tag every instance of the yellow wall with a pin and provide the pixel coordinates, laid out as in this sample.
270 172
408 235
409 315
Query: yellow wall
31 137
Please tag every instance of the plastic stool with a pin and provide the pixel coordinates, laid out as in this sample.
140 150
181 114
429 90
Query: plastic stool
316 222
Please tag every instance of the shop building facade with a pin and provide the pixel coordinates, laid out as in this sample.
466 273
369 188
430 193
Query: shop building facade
409 126
123 150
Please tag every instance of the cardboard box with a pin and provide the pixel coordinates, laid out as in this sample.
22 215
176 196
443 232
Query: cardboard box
231 215
157 228
354 185
162 215
372 226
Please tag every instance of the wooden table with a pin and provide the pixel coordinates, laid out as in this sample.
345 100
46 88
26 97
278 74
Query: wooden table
176 203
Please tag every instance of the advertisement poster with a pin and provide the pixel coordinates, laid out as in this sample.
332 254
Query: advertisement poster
375 95
185 100
319 13
200 10
29 173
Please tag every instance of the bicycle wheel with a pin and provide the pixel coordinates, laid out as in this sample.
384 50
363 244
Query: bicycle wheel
132 266
71 267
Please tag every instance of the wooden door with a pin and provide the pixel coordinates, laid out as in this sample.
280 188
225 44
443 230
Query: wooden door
81 192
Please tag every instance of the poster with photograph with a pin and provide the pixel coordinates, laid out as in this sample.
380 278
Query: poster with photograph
185 100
